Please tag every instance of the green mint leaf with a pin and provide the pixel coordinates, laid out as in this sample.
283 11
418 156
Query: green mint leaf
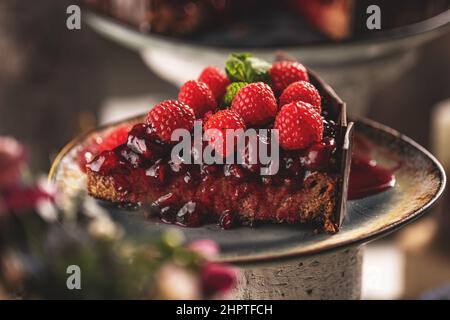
244 67
257 70
232 90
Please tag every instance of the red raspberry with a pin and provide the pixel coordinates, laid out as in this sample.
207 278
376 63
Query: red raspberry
299 125
169 115
216 80
198 96
301 91
115 138
255 103
222 120
283 73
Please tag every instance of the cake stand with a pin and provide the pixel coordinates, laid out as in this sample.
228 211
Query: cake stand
355 68
295 262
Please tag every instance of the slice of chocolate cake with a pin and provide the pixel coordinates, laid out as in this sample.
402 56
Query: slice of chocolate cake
308 130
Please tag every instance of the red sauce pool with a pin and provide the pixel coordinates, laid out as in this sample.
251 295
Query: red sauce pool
368 178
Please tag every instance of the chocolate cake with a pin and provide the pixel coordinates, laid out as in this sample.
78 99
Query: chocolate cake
309 187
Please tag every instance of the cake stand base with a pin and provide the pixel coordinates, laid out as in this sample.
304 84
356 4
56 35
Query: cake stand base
334 275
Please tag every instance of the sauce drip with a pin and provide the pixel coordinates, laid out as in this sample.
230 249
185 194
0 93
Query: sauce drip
368 178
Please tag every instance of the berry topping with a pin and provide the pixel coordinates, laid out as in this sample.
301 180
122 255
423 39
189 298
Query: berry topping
283 73
232 90
166 200
143 141
299 125
189 215
169 115
234 171
318 155
108 162
128 155
158 172
301 91
222 120
216 80
255 103
198 96
226 220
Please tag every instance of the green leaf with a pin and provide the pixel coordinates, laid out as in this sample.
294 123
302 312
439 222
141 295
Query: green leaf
232 90
244 67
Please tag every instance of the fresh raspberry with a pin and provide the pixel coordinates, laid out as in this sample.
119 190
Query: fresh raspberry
301 91
222 120
198 96
216 80
169 115
283 73
255 103
299 125
116 137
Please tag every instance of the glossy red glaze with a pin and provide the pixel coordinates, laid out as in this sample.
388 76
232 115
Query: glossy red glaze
368 178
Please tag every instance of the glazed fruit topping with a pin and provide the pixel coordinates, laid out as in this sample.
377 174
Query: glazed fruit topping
189 215
108 162
226 220
318 156
142 139
158 171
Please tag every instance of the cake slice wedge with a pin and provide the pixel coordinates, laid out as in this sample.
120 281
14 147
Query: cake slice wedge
310 185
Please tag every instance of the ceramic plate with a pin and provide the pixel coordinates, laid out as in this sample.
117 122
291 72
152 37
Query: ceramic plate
420 181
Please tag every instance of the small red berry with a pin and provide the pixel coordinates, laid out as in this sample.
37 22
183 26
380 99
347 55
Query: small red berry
216 80
198 96
222 120
169 115
283 73
115 138
299 125
301 91
255 103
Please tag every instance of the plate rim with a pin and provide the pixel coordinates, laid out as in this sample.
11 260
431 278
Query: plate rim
292 253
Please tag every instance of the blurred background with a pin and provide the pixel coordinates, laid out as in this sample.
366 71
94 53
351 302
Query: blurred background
56 83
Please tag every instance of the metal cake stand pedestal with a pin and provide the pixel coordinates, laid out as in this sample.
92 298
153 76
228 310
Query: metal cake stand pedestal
334 275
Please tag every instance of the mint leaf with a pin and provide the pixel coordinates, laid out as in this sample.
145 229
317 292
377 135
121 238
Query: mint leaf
232 90
244 67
